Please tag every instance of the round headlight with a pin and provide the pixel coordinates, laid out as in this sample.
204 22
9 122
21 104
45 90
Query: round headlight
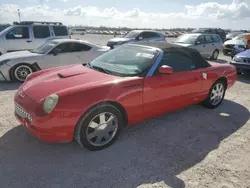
50 103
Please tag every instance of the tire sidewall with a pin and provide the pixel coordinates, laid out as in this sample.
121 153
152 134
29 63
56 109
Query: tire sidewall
15 68
82 125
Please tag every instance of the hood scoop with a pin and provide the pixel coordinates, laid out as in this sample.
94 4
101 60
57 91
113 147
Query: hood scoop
71 73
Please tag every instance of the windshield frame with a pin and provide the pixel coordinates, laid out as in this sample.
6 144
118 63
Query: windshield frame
120 74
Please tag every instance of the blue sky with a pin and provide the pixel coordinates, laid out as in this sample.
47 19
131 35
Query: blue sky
233 14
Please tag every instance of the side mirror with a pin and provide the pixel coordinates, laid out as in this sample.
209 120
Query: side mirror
164 69
56 51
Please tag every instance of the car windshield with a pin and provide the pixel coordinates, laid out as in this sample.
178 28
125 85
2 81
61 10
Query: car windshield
125 61
239 37
45 47
186 39
233 34
131 34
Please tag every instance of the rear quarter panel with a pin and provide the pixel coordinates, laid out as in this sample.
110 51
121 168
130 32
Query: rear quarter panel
217 71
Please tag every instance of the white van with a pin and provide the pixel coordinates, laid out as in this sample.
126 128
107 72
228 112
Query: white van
29 35
78 31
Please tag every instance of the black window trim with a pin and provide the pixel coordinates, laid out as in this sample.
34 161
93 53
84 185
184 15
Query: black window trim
196 67
18 38
50 34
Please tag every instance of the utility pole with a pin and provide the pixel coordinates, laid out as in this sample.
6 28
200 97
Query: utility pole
19 16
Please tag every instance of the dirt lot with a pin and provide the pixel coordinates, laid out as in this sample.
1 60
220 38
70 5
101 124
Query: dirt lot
193 147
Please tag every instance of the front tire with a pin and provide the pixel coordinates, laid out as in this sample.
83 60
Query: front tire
20 72
99 127
216 95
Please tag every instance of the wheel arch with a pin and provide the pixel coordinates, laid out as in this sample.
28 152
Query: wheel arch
222 78
115 104
33 66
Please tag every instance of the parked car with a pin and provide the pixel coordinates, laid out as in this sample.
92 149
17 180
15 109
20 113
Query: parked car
242 62
122 87
29 35
231 35
217 31
209 45
18 65
237 49
242 39
136 36
78 31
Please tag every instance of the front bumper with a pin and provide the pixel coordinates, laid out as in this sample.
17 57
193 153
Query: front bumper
241 66
4 73
49 128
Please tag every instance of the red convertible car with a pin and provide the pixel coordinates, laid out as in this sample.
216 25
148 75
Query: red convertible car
124 86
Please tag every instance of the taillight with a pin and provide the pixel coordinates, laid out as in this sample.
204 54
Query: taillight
69 36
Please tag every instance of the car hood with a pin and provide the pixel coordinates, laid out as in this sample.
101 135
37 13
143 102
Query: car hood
19 54
245 54
237 42
63 79
120 39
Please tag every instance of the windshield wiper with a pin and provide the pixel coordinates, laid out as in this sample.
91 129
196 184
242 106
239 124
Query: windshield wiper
101 69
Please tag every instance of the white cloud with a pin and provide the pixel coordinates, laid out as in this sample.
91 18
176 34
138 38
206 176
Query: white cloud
233 15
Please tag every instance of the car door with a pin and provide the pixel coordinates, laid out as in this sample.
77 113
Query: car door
59 56
200 45
81 52
41 33
167 92
209 45
217 42
19 38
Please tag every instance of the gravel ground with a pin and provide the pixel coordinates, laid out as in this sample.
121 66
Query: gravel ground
194 147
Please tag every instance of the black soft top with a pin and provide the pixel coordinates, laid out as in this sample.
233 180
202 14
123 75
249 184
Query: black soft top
171 47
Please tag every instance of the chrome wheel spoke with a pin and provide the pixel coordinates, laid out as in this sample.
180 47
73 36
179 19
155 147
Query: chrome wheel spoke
102 118
92 135
93 125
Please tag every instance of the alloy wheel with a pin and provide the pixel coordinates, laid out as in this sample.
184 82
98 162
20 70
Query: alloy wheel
102 129
21 72
217 94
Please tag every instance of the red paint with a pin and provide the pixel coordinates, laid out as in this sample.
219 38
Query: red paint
81 88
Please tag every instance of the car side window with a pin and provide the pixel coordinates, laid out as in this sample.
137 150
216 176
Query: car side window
208 39
18 33
64 47
178 61
215 38
60 30
77 47
146 35
200 40
41 32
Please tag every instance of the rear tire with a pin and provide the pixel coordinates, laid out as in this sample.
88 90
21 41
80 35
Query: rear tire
216 95
99 127
215 55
